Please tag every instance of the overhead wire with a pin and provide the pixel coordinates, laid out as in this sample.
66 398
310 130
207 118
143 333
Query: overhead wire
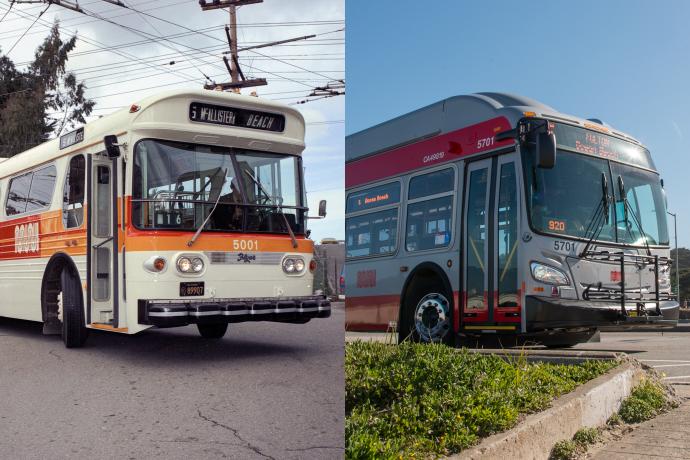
8 11
28 29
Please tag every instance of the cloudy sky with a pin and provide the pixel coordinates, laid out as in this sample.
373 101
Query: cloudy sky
124 62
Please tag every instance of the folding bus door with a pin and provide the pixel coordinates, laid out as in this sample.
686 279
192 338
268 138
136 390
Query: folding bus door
490 299
102 235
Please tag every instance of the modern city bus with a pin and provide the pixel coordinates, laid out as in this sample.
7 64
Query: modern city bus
494 215
185 208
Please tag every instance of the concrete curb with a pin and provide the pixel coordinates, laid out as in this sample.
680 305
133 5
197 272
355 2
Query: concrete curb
588 406
567 356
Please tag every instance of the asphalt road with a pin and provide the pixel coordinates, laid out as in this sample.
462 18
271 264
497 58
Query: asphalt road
667 352
266 390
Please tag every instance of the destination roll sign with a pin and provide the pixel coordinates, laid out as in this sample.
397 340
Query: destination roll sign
230 116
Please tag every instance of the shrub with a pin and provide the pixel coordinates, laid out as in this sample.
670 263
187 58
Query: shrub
646 401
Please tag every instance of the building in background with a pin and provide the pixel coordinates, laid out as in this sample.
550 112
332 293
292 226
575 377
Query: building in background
330 258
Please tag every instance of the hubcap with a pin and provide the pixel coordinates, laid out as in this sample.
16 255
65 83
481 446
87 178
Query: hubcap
431 318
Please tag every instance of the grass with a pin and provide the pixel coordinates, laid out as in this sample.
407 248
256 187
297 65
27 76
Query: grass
416 401
646 401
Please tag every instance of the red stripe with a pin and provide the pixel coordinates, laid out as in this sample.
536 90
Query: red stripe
430 152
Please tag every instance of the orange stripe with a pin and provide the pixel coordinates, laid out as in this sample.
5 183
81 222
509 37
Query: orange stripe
177 241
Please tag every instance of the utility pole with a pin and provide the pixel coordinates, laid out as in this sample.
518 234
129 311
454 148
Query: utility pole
675 233
237 79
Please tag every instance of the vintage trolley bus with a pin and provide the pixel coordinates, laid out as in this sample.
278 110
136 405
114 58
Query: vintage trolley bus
495 215
187 207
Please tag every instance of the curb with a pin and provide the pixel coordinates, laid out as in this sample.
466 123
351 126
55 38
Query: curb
567 356
589 405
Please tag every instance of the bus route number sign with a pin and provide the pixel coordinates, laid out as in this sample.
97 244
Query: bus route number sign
231 116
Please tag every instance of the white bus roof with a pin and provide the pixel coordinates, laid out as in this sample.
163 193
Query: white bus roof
449 115
167 113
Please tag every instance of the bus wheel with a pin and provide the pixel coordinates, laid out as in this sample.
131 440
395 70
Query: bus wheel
74 331
427 316
212 331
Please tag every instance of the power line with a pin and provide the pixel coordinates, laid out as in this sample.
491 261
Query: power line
29 28
8 11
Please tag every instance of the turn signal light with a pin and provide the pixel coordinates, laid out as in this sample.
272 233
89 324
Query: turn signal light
312 266
159 264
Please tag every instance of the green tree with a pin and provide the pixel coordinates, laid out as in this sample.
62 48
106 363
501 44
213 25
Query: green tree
28 97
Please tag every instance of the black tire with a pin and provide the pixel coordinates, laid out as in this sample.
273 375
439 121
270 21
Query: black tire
212 331
432 289
74 331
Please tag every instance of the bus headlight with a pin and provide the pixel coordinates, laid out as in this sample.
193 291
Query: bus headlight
548 275
190 264
197 265
293 266
184 264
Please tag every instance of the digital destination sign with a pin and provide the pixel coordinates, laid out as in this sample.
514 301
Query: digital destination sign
200 112
381 195
602 145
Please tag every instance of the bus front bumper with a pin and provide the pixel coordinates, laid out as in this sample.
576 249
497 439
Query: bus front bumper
174 313
545 313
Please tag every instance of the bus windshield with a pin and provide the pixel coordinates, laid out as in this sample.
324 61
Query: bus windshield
564 200
177 185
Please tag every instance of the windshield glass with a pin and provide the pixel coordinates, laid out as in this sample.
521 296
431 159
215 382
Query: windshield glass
176 185
564 200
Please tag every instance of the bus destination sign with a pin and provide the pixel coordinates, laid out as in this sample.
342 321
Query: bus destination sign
73 138
230 116
602 145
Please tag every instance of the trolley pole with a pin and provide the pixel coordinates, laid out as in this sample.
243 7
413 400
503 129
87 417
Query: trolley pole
675 236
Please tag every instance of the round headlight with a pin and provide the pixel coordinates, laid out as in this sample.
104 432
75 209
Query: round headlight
299 265
289 265
197 265
184 264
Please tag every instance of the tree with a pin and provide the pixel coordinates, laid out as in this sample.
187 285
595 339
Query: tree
27 98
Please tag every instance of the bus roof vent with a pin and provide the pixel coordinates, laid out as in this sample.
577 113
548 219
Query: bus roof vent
597 121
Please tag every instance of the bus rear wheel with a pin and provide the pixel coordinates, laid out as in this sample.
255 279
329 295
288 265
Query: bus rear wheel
212 331
74 331
427 314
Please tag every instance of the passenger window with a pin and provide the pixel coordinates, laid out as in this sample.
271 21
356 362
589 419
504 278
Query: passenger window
372 234
41 191
17 195
432 184
429 221
73 197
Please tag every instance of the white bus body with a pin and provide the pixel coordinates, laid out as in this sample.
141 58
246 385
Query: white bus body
98 237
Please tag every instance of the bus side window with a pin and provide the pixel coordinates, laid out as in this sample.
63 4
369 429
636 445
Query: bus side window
17 194
430 210
73 198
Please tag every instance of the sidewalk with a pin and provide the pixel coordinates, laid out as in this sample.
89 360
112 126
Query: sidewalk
667 436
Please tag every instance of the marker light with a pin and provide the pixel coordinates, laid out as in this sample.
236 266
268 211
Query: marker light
529 114
312 266
548 275
156 264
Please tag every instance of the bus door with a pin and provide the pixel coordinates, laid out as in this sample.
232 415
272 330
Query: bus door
491 299
102 222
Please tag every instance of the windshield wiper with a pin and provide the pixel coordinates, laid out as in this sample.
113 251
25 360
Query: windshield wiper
627 209
215 205
600 216
278 208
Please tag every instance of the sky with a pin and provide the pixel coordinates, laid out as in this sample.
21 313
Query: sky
626 62
121 66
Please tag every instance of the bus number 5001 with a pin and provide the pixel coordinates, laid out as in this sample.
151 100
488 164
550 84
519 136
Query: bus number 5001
245 245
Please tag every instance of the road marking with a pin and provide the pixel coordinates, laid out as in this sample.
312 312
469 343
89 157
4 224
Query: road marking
678 377
671 365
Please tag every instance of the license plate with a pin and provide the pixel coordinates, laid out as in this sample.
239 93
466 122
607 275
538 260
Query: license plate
191 289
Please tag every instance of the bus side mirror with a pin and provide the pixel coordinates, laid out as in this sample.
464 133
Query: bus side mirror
546 150
322 208
111 146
